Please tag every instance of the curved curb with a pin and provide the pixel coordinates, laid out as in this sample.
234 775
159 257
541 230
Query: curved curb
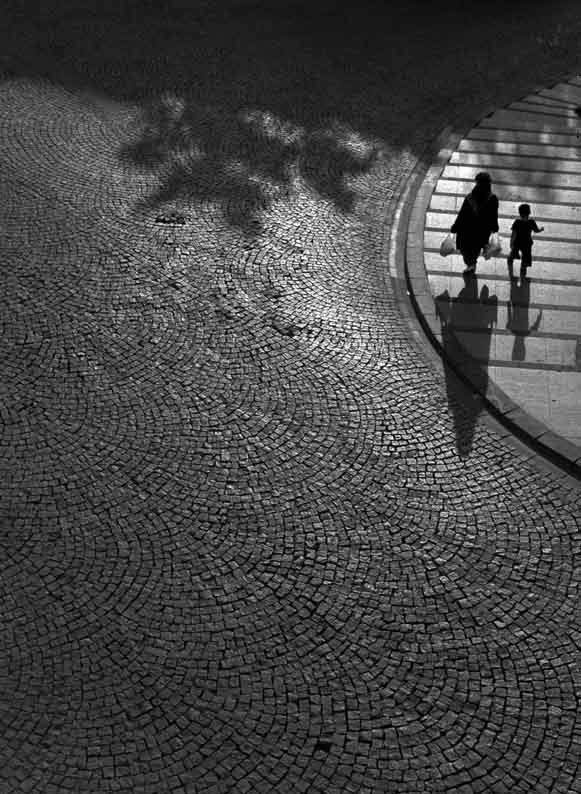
526 427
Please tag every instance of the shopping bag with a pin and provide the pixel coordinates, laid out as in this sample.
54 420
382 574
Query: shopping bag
493 247
448 246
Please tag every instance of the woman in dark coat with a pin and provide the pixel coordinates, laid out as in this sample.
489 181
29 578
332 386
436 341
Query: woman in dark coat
477 219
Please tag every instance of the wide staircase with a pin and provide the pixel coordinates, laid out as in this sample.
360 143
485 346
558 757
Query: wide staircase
525 332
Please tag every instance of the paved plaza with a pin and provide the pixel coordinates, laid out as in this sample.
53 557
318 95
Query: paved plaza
257 534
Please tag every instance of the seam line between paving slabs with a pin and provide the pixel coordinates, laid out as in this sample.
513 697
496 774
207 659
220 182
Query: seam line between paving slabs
413 206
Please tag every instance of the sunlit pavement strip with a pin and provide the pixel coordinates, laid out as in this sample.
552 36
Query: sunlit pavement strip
526 337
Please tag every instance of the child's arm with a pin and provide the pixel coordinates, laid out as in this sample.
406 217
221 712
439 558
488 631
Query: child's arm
537 228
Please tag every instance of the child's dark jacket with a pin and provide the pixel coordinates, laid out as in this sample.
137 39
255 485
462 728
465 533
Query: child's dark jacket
522 230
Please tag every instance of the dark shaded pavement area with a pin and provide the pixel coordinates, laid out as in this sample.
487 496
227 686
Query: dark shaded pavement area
392 72
251 539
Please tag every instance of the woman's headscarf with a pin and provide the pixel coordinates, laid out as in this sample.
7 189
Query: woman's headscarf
483 187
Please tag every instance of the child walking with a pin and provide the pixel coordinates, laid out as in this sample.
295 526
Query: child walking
521 241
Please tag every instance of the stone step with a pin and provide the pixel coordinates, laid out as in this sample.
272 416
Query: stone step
570 92
522 348
494 160
506 119
517 192
550 250
543 150
543 211
552 324
560 297
534 136
471 317
549 110
559 321
543 269
514 176
546 99
554 230
497 268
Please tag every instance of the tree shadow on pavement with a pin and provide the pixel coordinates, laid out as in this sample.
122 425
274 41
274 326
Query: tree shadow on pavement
242 160
391 73
467 322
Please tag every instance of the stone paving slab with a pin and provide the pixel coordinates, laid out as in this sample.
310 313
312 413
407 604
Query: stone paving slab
553 212
550 251
562 230
524 338
524 162
520 137
518 191
538 177
543 150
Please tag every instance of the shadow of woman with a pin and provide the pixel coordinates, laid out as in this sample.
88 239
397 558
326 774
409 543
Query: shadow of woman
466 322
518 316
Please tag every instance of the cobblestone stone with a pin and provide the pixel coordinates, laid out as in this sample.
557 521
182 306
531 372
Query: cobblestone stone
240 549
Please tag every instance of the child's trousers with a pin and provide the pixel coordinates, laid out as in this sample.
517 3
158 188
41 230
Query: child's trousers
522 251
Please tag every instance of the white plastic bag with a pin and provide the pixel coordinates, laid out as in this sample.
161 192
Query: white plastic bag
493 247
448 246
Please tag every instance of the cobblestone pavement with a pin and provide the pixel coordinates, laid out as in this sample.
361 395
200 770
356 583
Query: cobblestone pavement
241 551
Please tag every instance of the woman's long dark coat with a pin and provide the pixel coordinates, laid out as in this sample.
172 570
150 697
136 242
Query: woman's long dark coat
475 222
